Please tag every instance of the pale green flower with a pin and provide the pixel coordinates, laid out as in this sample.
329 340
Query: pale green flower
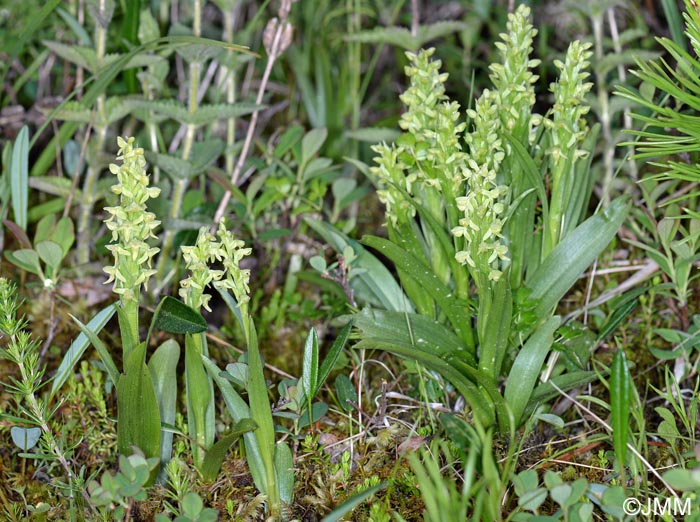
512 78
130 223
199 257
484 203
426 161
567 123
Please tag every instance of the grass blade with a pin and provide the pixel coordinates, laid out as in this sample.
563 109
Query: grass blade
346 507
78 347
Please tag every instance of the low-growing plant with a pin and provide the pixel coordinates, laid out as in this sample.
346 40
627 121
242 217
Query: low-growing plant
574 501
486 228
31 423
115 495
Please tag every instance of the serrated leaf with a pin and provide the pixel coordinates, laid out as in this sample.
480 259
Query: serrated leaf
81 56
402 37
174 316
175 167
204 114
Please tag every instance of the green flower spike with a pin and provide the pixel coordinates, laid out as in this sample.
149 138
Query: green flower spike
131 224
483 205
201 255
237 279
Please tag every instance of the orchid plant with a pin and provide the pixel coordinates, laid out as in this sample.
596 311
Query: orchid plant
485 221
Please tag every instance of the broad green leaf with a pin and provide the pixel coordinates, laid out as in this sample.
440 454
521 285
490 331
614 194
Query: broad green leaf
238 373
346 392
284 468
455 310
174 316
25 258
55 186
199 398
570 258
25 438
309 376
261 413
493 325
64 234
163 368
100 347
346 507
412 331
138 418
318 410
44 228
50 253
78 347
620 384
481 404
239 410
215 456
527 367
19 175
311 144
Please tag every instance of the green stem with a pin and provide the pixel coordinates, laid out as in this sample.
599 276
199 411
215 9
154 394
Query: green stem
93 172
199 397
181 185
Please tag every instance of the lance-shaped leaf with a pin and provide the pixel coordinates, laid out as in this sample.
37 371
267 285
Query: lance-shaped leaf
570 258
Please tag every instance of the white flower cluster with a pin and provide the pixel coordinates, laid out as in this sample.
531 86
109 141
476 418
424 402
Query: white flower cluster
130 223
568 127
484 204
207 250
